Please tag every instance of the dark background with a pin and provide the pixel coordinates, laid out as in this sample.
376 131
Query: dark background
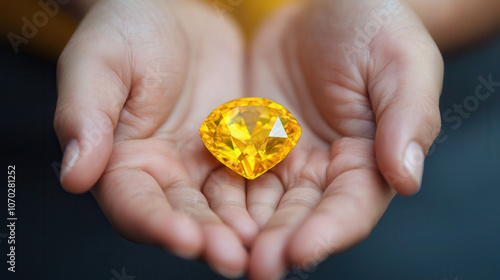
450 230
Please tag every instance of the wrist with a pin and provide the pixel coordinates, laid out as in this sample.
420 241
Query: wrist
79 8
454 24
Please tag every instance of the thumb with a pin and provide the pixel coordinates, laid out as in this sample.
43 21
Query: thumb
90 98
405 97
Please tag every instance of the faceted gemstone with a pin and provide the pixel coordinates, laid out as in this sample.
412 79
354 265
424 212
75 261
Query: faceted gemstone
250 135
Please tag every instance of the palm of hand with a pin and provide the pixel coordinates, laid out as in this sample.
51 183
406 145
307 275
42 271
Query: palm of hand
334 192
160 184
159 180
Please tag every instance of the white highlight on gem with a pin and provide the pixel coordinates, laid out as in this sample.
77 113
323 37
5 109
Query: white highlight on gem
278 130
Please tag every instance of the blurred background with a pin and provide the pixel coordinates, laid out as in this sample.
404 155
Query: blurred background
450 230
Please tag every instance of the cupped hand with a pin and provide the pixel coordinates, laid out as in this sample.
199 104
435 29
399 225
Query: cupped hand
363 78
135 83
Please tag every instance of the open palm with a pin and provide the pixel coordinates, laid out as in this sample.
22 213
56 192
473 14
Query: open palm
368 110
135 83
137 80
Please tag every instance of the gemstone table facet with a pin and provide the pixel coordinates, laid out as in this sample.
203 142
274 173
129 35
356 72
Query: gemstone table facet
250 135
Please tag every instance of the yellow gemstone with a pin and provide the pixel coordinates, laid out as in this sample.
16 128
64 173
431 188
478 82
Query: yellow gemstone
250 135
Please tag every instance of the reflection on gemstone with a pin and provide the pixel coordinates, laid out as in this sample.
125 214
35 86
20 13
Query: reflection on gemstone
250 135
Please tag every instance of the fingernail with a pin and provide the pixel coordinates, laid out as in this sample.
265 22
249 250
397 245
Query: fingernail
414 161
71 153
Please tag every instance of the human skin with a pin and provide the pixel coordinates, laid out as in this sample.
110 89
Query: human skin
134 83
360 105
455 24
137 80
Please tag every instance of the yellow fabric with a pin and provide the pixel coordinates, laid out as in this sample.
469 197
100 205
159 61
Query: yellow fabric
250 13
